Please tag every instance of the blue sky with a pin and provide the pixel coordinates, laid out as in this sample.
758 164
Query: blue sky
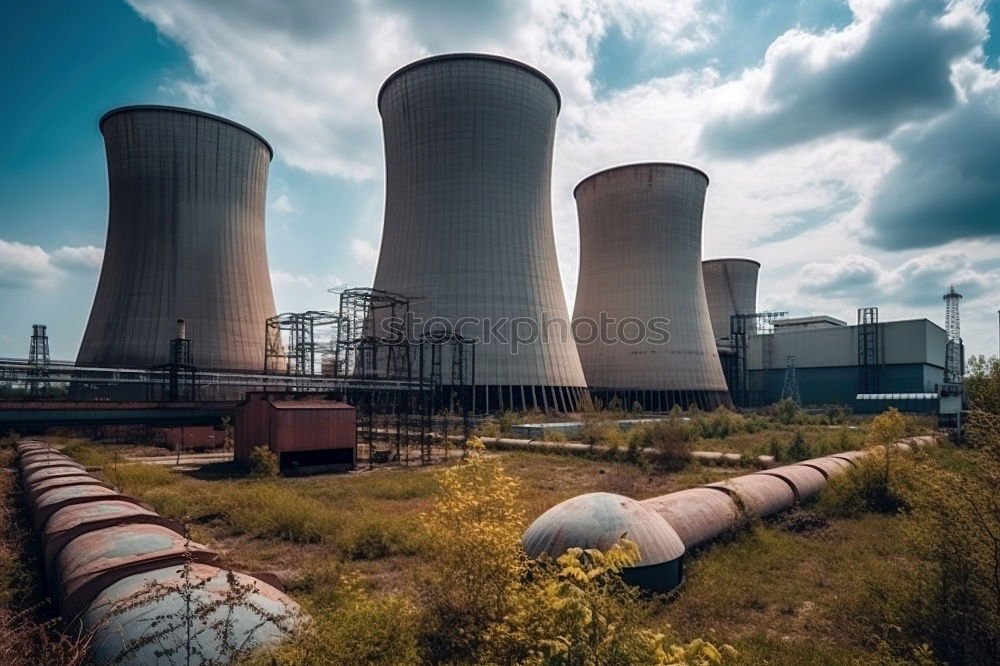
854 147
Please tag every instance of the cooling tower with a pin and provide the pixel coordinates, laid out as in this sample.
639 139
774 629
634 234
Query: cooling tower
468 220
640 263
731 288
185 240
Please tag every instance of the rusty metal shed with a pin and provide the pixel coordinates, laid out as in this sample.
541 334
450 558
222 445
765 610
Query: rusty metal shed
302 432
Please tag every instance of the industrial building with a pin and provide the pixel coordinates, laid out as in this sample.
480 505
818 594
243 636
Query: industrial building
640 259
468 235
867 367
185 241
308 432
731 289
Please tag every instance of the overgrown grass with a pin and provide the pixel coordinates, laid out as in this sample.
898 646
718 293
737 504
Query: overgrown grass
83 451
784 598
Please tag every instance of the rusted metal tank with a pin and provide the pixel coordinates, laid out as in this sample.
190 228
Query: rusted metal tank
806 482
697 515
50 502
39 488
600 520
71 521
93 561
30 467
126 614
55 472
102 550
828 465
758 495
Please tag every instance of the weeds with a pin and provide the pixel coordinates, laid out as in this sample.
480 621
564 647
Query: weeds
264 463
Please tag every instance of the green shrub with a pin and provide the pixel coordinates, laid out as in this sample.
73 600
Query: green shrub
877 485
671 441
263 463
605 433
718 424
489 428
356 628
798 449
786 412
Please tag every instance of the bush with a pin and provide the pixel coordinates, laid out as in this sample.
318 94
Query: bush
379 538
798 449
982 383
786 412
671 441
982 429
718 424
355 628
877 485
263 463
954 528
603 432
489 428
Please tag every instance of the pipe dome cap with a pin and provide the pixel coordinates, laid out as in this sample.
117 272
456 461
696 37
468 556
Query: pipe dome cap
600 520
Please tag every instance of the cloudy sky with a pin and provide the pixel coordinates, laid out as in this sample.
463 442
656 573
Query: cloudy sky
853 146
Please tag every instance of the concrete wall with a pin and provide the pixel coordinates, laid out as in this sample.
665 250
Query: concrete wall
914 341
468 215
640 257
185 240
730 288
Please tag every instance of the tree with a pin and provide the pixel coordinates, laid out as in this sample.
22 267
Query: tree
982 383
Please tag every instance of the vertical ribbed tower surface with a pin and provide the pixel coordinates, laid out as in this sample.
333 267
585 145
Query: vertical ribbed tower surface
468 217
185 240
640 257
731 288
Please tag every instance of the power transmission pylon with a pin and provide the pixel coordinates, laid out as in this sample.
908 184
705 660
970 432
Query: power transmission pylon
791 386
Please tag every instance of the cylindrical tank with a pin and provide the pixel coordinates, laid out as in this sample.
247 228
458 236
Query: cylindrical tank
698 515
185 239
468 221
759 495
805 481
641 320
730 288
601 520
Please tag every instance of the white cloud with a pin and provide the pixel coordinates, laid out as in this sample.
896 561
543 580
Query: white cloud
305 75
25 266
283 204
916 282
86 257
364 253
32 267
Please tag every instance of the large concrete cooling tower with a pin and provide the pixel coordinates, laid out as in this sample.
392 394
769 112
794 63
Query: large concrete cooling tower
640 259
185 240
468 219
731 288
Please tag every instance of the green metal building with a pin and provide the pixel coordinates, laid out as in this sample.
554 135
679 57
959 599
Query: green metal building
834 362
